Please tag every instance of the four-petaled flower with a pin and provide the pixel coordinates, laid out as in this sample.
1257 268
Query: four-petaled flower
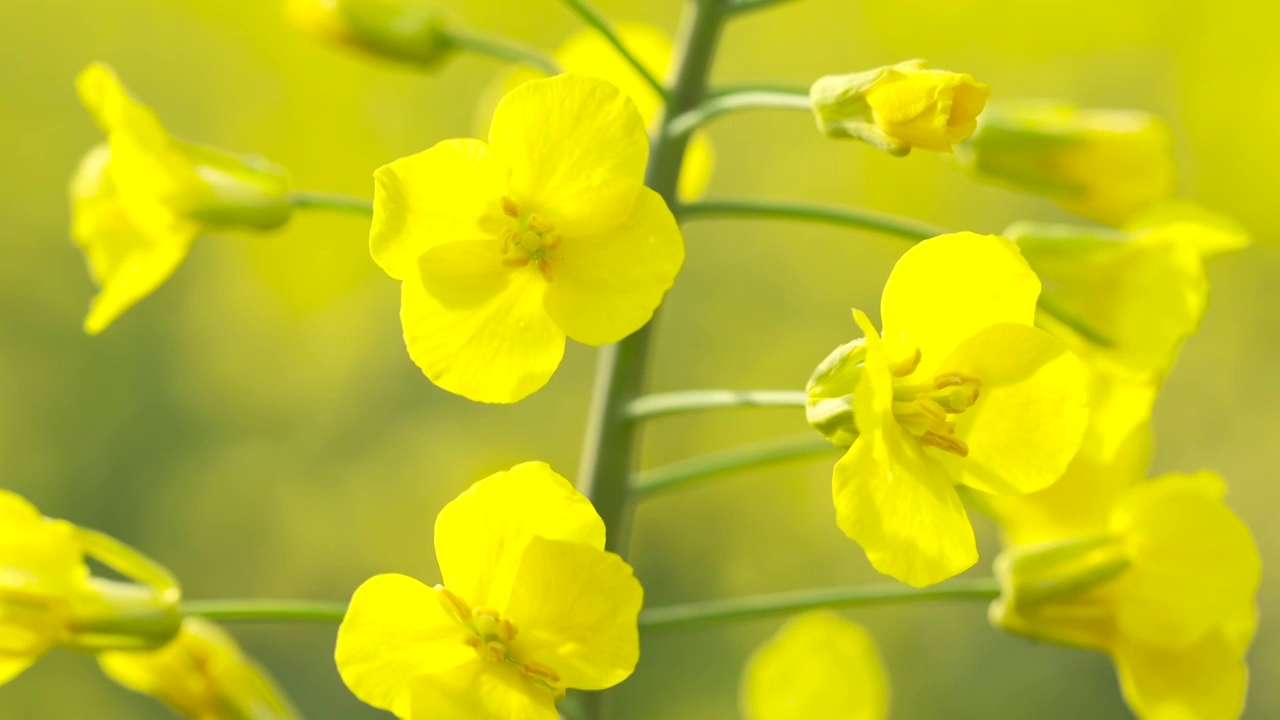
506 248
961 390
531 605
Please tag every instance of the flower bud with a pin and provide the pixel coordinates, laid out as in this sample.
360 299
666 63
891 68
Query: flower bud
829 408
408 31
202 674
1107 165
898 107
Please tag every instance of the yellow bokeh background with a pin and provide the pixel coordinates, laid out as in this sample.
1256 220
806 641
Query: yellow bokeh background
257 426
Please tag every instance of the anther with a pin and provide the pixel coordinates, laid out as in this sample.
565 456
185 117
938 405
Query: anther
545 266
495 651
453 604
905 367
510 208
946 443
539 224
541 672
507 630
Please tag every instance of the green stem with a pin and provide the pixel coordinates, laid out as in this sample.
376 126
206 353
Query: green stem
504 49
714 612
687 472
336 202
674 403
596 21
810 212
611 444
743 6
690 120
310 611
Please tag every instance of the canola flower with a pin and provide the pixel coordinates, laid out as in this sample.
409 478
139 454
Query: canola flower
1106 165
818 665
503 249
531 605
49 598
587 53
1164 584
961 389
140 199
201 674
900 107
407 31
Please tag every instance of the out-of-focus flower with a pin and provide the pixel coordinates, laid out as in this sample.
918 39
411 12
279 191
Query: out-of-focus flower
588 53
900 107
408 31
506 248
531 605
201 674
1166 587
140 199
961 390
49 599
817 666
1107 165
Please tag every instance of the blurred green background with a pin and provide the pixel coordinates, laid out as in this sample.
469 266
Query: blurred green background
258 427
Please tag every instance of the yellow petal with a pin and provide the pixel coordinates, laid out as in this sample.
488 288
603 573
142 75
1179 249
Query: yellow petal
453 191
106 98
945 289
1079 504
817 665
577 149
894 500
699 164
1031 412
1205 681
12 666
477 328
1194 562
576 607
395 631
481 691
606 287
480 536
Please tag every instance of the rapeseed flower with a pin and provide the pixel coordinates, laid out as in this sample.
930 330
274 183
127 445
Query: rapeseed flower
588 53
900 107
1165 585
48 598
139 200
1106 165
531 605
818 665
961 390
408 31
546 231
201 674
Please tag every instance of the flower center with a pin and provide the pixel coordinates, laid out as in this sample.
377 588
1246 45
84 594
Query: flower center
925 409
528 239
492 636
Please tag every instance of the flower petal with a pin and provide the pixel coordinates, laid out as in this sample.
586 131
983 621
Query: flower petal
577 608
1194 561
395 631
1031 413
606 287
481 536
1206 681
481 691
577 148
453 191
818 665
476 327
945 289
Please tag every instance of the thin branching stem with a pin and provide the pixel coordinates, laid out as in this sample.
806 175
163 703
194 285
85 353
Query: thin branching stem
593 18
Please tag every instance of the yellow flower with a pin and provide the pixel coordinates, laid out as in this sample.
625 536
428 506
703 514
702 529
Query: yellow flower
817 666
531 605
201 674
1166 588
961 390
409 31
506 248
900 107
1107 165
140 199
49 599
588 53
